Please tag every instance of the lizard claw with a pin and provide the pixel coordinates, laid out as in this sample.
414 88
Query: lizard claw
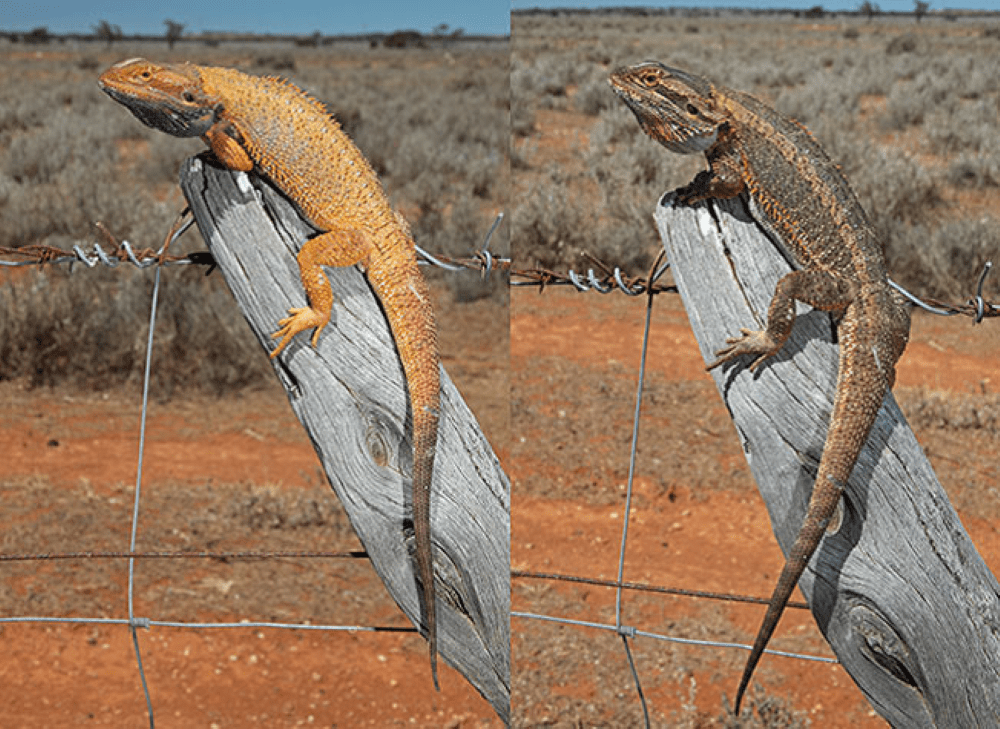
695 191
751 342
300 320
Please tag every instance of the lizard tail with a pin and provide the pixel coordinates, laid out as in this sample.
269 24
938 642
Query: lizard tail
817 518
406 302
425 427
849 428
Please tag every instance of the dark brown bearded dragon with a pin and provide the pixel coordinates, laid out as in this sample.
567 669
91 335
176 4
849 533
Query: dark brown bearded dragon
804 201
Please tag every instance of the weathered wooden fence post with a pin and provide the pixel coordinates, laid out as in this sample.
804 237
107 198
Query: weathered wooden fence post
899 591
350 395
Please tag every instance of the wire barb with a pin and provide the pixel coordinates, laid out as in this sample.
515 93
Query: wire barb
976 307
610 278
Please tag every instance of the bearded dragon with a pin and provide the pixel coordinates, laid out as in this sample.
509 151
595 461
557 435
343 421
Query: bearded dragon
273 126
804 201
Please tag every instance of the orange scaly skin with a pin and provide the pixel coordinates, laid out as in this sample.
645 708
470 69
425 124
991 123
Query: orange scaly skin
272 125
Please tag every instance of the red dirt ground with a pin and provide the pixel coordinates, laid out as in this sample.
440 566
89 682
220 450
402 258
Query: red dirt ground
236 473
697 523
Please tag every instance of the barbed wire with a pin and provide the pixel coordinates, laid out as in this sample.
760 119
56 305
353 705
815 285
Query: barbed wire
607 280
604 279
977 307
121 251
223 556
599 277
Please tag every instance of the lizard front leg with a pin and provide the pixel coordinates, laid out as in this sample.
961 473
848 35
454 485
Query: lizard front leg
820 289
221 137
335 248
724 178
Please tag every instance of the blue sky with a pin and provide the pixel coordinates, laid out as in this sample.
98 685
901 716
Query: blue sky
284 16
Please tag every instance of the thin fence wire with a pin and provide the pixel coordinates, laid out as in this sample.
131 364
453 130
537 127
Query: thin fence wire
976 307
603 279
147 369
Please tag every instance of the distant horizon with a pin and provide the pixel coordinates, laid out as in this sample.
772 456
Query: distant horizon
306 17
838 6
193 35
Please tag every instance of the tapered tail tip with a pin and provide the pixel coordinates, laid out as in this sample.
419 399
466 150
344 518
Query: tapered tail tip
434 668
739 696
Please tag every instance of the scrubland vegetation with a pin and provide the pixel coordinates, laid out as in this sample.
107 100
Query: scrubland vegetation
433 122
909 111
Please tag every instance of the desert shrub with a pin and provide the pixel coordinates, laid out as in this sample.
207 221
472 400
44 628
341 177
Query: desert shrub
522 117
892 185
963 127
550 226
547 80
89 329
437 132
594 94
938 88
944 261
976 170
906 43
953 411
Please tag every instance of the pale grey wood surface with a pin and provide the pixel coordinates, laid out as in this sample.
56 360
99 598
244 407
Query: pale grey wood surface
899 590
350 395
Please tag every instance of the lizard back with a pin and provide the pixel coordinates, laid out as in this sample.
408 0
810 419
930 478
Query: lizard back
806 200
295 141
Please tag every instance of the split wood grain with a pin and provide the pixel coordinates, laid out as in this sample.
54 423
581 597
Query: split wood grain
898 590
350 395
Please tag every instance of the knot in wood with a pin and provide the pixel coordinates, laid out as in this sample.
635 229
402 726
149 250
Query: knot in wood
377 446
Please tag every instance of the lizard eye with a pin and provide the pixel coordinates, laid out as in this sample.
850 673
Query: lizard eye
146 74
649 79
188 96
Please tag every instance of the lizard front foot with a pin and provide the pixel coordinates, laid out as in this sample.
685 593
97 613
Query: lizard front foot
752 342
696 190
300 320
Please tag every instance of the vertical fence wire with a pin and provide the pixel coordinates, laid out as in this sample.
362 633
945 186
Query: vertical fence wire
147 370
628 506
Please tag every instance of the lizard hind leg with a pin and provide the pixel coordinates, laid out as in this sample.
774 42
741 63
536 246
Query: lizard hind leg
749 342
818 288
335 248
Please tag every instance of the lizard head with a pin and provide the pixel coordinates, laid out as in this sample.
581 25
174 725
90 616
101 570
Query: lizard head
165 97
672 106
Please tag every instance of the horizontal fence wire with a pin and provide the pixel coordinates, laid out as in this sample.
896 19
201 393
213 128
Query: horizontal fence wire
644 587
636 632
151 623
600 278
247 555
